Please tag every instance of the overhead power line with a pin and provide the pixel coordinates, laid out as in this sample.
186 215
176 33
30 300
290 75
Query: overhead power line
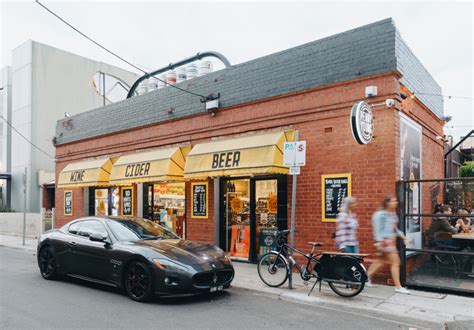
443 95
115 54
25 138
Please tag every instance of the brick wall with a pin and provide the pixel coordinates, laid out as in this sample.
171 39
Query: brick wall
321 116
198 229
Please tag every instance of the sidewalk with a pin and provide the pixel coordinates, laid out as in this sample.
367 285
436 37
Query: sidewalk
16 242
440 308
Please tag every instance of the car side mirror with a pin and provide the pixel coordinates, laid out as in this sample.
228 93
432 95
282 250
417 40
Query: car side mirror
97 238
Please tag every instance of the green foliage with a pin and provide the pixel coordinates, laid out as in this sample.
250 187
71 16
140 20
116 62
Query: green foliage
467 170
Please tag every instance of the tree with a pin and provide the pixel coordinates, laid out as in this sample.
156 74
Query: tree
467 170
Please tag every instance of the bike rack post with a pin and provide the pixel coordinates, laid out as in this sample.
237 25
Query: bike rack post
290 279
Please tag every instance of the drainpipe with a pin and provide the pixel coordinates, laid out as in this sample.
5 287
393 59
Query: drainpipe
171 66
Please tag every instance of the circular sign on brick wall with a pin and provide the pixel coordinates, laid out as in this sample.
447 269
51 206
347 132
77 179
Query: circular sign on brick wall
362 122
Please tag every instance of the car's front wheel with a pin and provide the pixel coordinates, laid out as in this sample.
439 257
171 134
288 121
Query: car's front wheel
47 264
139 281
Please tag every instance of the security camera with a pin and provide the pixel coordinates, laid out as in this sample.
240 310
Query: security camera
446 118
390 103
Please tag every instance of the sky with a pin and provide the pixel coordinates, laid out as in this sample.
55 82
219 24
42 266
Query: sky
154 33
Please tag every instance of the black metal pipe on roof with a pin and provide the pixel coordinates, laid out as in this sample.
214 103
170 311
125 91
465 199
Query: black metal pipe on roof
171 66
471 133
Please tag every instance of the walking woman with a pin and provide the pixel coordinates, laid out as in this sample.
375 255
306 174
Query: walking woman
385 223
346 227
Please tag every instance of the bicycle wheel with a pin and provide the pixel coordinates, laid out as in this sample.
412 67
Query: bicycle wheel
347 290
348 270
273 270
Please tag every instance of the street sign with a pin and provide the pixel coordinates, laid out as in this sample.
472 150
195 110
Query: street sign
294 153
289 154
295 170
300 153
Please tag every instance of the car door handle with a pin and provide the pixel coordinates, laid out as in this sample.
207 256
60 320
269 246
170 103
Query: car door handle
72 244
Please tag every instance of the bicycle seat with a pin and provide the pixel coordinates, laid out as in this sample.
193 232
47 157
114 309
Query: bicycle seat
315 243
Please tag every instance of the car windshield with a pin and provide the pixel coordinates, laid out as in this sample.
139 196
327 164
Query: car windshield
137 229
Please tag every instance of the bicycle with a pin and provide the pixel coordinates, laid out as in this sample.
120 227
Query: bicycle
344 272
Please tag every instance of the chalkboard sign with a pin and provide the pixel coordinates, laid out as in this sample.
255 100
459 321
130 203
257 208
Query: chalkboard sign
334 188
127 201
68 202
199 201
267 240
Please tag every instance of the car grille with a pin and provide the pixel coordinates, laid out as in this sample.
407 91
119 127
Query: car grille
214 278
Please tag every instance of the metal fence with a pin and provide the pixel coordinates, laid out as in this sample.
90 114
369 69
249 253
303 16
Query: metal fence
440 255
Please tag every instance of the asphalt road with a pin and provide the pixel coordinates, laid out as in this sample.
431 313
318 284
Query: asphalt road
29 301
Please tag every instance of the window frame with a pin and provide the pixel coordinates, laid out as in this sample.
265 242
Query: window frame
91 220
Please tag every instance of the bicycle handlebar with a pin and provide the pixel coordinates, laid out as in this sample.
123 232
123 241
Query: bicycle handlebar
283 232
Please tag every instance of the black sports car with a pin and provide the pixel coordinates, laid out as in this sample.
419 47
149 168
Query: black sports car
136 254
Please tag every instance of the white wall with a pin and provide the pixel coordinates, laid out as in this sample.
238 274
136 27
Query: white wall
12 224
21 120
46 83
6 111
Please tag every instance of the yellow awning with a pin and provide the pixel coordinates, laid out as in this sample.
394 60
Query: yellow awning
87 173
154 165
256 154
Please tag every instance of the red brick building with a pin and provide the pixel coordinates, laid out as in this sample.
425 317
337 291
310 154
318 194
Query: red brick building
310 89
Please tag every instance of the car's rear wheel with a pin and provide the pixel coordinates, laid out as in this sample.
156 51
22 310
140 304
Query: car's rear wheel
47 264
139 281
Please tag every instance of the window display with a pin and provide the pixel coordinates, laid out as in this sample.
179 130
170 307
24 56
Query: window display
167 205
115 201
250 217
237 202
101 202
266 215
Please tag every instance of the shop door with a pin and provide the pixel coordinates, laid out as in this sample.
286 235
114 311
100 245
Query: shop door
165 204
266 215
249 219
236 221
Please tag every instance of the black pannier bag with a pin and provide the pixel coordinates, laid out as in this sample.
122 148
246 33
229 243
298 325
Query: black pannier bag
343 268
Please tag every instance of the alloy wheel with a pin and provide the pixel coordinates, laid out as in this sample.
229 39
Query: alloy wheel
138 282
47 263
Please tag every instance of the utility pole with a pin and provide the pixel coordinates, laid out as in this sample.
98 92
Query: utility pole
292 225
24 204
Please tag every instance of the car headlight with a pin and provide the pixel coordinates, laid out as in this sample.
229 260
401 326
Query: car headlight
227 259
166 264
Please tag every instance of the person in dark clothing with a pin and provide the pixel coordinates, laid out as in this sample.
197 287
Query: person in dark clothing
441 224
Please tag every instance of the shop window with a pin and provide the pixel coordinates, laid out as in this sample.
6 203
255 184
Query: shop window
266 215
166 205
101 202
238 218
250 216
115 207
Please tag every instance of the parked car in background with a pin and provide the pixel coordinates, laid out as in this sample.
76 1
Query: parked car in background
137 255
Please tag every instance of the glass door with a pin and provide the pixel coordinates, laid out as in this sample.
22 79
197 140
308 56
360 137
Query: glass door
266 219
237 218
165 204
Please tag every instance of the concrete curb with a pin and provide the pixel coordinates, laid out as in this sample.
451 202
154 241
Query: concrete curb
372 304
24 248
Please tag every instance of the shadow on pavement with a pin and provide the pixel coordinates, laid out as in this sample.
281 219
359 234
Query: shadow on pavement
159 300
